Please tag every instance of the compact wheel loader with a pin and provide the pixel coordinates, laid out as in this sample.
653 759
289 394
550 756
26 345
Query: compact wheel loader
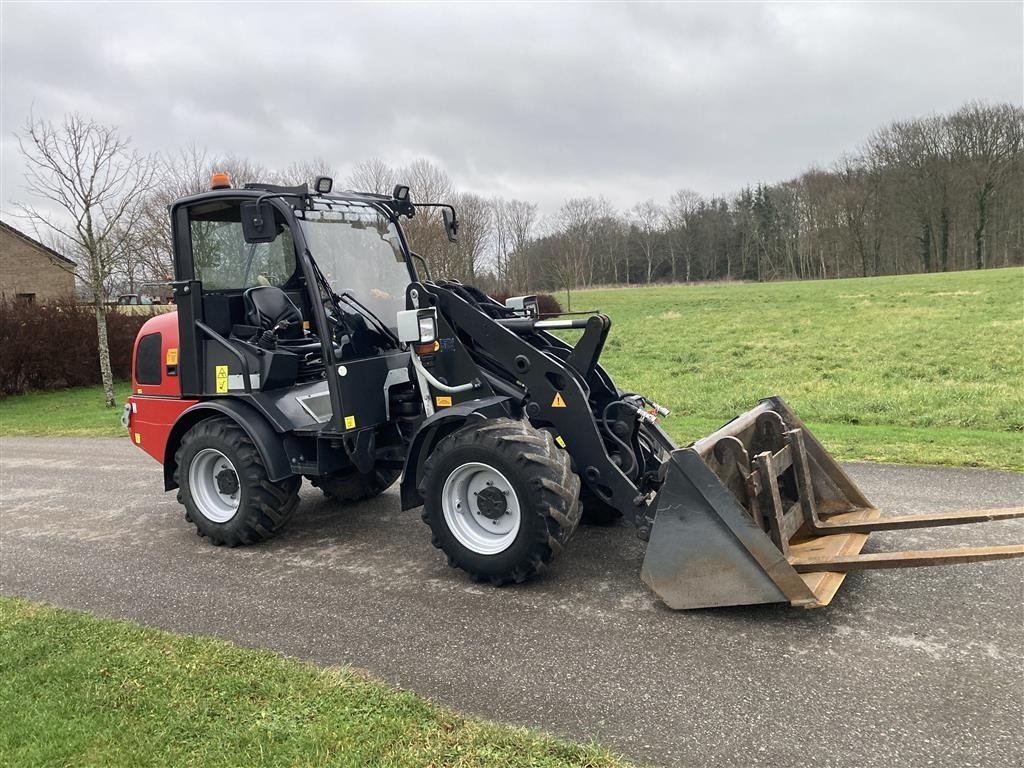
310 342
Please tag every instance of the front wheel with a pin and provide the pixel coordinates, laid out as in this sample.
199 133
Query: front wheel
500 499
223 485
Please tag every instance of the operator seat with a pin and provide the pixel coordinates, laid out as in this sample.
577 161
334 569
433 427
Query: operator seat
267 306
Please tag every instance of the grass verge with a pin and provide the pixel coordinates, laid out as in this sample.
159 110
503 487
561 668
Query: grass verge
77 412
84 691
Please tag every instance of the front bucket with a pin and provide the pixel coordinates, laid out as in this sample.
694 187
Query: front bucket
758 512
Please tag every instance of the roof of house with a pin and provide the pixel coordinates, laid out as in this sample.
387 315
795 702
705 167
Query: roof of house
63 260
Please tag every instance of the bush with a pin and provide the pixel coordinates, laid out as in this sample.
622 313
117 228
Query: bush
547 303
54 345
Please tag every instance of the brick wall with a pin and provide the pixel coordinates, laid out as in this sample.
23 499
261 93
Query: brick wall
27 268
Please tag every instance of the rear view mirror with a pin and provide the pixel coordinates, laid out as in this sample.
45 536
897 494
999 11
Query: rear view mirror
258 223
451 224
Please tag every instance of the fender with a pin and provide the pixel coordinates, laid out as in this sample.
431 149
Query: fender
434 429
268 441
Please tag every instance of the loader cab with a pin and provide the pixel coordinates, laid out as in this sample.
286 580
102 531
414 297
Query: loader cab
298 321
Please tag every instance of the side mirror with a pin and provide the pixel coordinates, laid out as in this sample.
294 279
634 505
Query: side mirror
258 223
451 224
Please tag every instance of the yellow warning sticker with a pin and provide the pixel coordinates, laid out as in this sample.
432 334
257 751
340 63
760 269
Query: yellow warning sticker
172 356
559 441
138 439
350 422
222 379
558 402
443 401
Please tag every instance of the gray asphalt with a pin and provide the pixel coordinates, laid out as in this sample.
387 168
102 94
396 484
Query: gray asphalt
905 668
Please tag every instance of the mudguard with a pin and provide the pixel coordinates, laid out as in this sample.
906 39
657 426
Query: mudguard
267 440
436 428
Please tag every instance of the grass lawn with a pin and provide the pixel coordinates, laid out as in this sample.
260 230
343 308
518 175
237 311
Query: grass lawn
921 369
78 412
918 369
84 691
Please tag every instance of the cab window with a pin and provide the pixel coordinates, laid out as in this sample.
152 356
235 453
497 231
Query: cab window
223 261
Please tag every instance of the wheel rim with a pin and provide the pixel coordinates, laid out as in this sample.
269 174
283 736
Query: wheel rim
481 508
214 485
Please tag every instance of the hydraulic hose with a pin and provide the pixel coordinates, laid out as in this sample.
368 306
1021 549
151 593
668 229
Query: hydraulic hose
625 446
436 383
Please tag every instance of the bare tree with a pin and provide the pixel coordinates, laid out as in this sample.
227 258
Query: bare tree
574 242
373 175
681 207
646 219
98 184
428 183
465 258
985 140
306 171
513 222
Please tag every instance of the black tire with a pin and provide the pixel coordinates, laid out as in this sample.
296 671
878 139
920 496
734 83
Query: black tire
263 506
546 489
353 486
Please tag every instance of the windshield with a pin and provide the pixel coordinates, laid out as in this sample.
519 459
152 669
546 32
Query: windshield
359 251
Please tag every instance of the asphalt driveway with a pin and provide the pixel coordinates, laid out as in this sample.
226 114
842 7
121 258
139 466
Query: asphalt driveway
909 668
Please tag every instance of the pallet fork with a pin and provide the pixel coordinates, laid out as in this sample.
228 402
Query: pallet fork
758 512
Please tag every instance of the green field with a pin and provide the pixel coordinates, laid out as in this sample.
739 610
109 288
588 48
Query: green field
82 691
922 369
919 369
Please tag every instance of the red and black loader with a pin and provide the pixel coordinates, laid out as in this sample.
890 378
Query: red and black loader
310 342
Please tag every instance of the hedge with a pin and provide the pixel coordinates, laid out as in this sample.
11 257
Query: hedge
53 345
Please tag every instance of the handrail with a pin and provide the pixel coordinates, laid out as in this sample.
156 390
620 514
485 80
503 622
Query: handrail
247 375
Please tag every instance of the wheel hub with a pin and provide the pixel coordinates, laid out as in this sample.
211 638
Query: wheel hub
481 508
491 503
227 482
214 486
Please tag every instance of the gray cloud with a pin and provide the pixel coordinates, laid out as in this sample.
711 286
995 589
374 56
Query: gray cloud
539 101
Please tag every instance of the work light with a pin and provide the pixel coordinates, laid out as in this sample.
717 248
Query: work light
417 326
323 184
428 328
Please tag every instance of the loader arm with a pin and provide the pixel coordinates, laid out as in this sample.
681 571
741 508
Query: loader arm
556 394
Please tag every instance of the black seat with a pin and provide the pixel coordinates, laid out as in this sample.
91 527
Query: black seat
267 306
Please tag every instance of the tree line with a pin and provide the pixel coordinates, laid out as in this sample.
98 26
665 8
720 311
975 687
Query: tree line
938 193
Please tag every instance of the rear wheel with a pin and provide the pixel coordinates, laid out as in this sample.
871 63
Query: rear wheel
500 499
223 485
353 486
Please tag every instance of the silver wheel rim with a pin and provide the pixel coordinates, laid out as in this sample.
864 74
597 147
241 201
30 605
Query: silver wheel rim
206 477
459 502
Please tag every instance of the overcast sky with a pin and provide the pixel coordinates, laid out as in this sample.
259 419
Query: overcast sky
533 101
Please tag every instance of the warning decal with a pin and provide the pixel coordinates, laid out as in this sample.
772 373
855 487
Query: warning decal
558 402
222 379
172 356
350 422
443 401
